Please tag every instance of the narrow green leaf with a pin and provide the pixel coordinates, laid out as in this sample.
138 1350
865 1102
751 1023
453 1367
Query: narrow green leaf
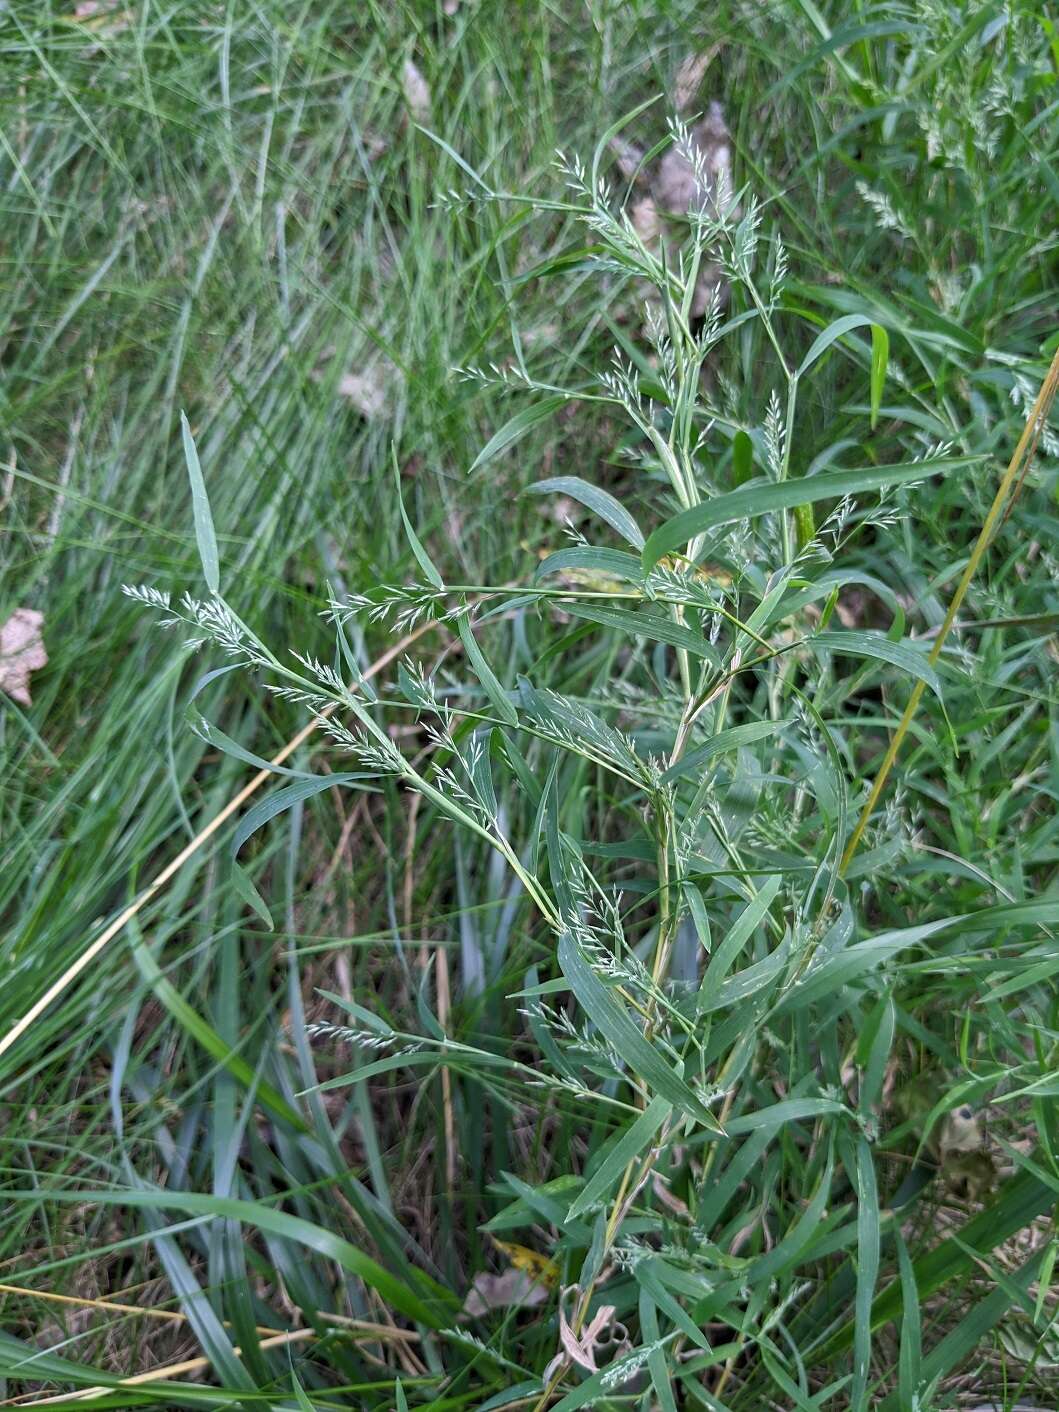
618 1153
282 800
762 498
739 933
275 1222
213 735
614 563
878 646
824 340
611 1018
300 1395
517 428
600 502
649 623
732 739
200 508
423 559
244 886
742 459
910 1358
210 1041
867 1271
790 1110
485 674
880 357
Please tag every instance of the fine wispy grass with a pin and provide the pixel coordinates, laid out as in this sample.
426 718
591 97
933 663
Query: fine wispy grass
547 959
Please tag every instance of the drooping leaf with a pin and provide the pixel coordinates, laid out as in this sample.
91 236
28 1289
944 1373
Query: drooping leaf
764 498
600 502
515 429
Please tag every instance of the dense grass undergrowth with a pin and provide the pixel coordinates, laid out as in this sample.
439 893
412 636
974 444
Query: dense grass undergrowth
541 1031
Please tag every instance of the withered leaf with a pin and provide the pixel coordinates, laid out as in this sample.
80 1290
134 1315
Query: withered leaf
21 652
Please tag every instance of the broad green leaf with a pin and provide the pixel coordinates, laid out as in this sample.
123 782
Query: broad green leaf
517 428
610 1017
791 1110
600 502
763 498
282 800
745 983
612 563
742 459
618 1153
740 932
200 508
880 357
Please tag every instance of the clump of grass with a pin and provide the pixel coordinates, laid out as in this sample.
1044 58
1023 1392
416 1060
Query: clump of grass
712 987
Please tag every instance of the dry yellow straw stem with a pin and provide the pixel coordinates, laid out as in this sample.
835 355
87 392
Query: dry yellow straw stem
1017 468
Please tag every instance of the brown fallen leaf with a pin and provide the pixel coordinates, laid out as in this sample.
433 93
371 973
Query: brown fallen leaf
416 92
368 391
690 75
21 652
601 1332
103 16
514 1286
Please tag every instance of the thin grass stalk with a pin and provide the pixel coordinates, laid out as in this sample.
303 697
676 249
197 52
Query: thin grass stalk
1020 462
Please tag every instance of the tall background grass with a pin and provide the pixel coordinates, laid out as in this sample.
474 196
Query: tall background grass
229 209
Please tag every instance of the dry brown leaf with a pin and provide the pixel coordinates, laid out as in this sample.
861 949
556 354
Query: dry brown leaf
368 391
580 1348
21 652
101 16
690 75
514 1286
646 221
416 92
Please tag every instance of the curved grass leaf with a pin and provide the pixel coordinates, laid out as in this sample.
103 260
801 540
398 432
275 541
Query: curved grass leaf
879 647
880 357
762 498
618 1153
614 563
824 340
655 626
517 428
435 1313
600 502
